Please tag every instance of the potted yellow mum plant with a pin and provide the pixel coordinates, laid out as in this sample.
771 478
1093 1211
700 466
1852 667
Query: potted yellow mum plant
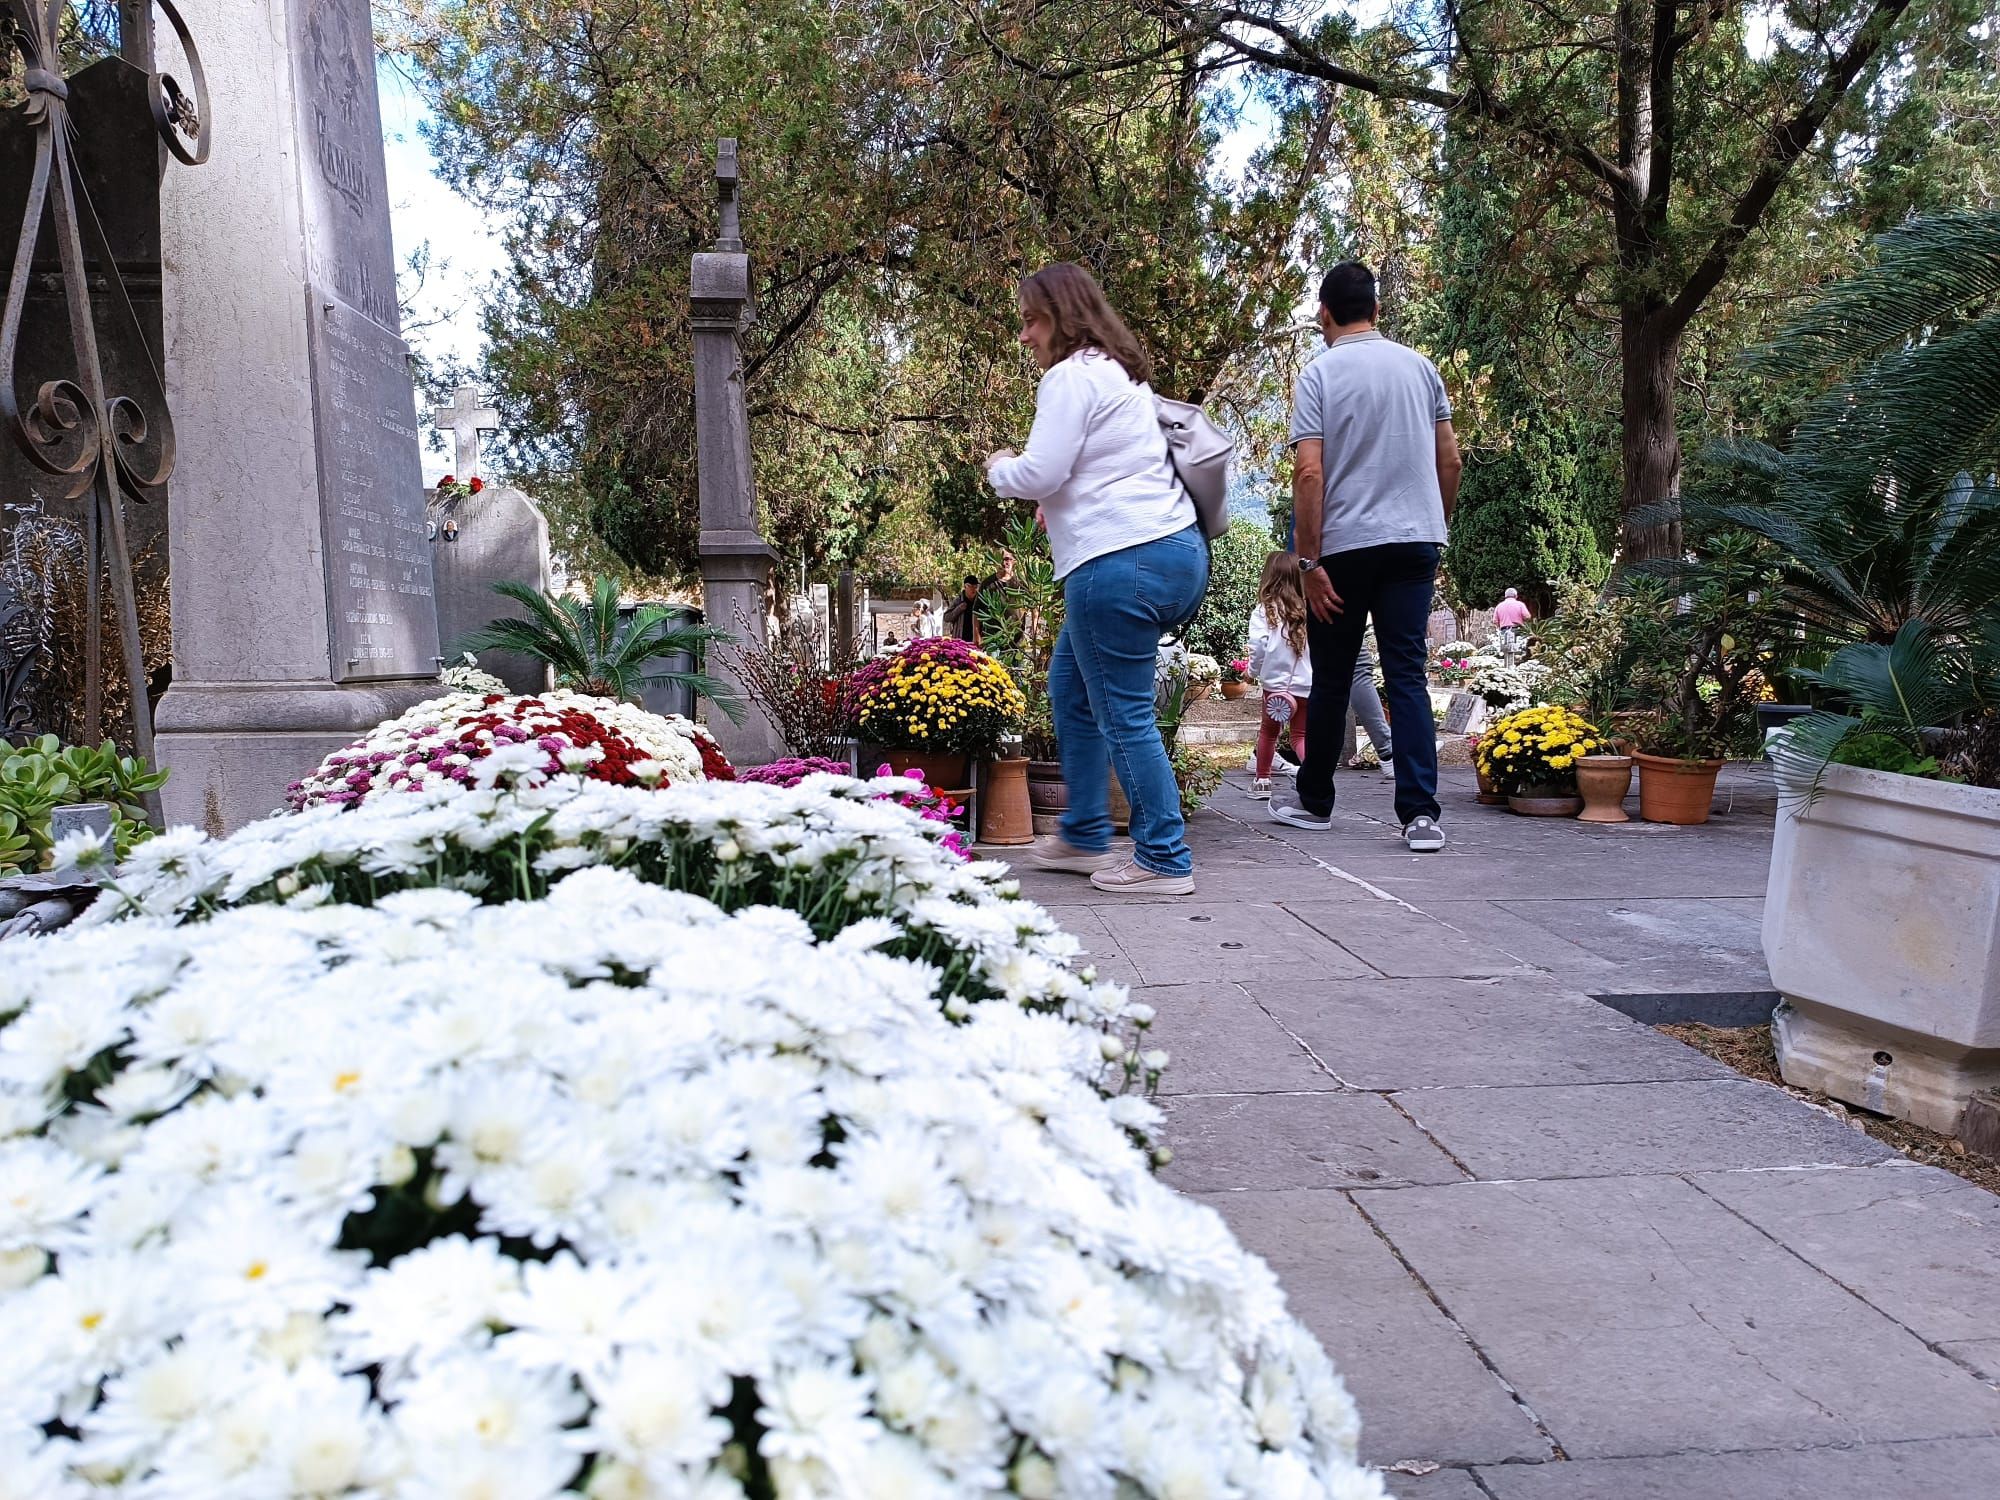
935 706
1531 756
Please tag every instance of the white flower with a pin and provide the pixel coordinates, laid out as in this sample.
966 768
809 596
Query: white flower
298 1247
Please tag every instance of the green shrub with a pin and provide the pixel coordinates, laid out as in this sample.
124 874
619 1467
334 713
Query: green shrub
45 774
1235 562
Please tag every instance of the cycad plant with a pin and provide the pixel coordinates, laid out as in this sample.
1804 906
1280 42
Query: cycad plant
592 649
1884 506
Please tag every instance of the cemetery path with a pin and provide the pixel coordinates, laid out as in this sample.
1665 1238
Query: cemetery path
1557 1255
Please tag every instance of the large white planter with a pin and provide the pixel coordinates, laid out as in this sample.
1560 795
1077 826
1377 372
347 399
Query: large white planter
1882 932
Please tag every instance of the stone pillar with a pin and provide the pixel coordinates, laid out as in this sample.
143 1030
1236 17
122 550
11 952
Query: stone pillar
302 594
735 559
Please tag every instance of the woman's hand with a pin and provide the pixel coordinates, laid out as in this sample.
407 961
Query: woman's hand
995 456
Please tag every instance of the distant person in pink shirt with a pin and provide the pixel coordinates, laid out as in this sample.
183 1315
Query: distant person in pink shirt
1510 616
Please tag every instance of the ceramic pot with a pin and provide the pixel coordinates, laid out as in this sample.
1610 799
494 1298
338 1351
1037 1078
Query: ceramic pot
1602 781
1675 791
943 770
1048 794
1234 690
1198 692
1489 792
1545 802
1005 814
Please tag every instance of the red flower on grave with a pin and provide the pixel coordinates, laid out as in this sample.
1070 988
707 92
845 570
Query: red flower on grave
477 484
447 480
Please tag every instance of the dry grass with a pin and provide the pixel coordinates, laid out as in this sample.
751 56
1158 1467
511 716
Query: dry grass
1751 1052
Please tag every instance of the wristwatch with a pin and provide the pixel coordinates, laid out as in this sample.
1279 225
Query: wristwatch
1307 564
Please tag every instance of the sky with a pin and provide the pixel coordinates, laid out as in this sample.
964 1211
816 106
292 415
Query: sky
465 248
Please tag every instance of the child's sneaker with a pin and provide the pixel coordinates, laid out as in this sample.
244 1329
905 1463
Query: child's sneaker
1260 789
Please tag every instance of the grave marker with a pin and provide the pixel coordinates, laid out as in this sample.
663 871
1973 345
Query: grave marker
303 592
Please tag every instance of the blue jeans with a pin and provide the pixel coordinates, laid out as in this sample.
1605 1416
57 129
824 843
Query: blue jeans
1394 584
1115 609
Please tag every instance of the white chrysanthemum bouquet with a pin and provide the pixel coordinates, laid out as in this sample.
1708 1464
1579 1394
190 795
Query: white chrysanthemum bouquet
609 1191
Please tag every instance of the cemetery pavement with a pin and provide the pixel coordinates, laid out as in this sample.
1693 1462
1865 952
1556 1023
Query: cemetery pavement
1557 1255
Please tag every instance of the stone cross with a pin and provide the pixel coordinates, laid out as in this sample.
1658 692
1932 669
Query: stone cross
735 559
465 419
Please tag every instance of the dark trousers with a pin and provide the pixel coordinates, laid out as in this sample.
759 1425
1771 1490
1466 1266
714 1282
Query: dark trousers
1393 584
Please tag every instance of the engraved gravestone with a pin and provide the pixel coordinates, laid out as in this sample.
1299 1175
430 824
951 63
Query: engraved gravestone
303 593
1458 713
371 485
498 536
379 582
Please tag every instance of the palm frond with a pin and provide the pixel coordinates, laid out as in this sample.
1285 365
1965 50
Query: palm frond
1927 273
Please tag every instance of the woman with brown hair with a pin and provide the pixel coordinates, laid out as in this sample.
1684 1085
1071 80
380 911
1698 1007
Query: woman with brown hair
1133 566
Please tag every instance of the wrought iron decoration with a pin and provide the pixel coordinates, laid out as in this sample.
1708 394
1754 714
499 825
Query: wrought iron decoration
89 440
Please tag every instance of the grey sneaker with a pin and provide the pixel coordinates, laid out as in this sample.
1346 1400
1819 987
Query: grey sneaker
1056 853
1388 770
1136 878
1421 835
1286 808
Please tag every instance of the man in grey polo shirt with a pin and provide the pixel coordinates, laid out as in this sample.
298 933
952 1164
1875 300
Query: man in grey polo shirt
1375 470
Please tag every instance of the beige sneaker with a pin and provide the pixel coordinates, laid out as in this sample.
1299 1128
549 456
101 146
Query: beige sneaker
1056 853
1136 878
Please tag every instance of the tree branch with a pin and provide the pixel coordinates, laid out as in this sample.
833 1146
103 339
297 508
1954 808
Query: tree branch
1303 56
1783 147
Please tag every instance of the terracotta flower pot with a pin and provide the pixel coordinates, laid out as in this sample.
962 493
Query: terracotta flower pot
1603 781
1676 791
943 770
1489 790
1005 814
1234 690
1545 802
1198 691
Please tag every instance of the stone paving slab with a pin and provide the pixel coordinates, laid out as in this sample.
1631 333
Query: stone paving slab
1403 945
1186 942
1863 1228
1637 1316
1220 1041
1445 1484
1422 1390
1603 1130
1560 935
1981 1356
1459 1033
1234 1142
1967 1469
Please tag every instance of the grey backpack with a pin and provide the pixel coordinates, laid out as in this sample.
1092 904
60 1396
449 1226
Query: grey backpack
1202 456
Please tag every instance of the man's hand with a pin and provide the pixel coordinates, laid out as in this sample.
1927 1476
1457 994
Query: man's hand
1320 597
996 455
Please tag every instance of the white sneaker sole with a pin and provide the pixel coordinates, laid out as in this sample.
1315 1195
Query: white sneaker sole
1297 817
1149 885
1072 864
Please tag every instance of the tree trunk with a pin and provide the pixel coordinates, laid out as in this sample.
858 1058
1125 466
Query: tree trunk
1651 352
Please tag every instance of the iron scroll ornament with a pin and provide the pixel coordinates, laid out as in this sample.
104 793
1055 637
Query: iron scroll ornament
88 440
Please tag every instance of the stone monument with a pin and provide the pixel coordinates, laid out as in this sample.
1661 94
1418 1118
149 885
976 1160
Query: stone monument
495 536
302 587
735 559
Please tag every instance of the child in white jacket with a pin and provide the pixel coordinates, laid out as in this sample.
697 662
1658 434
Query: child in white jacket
1280 662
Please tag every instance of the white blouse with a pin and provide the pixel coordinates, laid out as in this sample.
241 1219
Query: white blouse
1273 662
1096 462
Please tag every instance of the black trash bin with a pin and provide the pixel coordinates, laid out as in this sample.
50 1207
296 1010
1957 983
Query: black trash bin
668 697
